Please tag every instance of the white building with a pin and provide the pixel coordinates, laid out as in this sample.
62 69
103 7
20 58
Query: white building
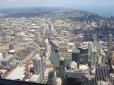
1 57
47 48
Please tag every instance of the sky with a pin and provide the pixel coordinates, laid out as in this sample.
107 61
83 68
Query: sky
56 3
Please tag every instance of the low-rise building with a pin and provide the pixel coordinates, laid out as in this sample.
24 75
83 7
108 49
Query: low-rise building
7 60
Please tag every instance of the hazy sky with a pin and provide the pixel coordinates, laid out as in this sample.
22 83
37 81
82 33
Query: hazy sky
56 3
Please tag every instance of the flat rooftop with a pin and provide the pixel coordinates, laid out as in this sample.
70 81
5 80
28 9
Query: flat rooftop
34 78
17 73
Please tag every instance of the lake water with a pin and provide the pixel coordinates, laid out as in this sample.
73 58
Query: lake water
102 11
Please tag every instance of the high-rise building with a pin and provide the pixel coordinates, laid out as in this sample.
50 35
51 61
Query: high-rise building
47 48
47 33
43 67
52 78
94 37
94 58
75 55
51 30
37 37
103 58
62 64
90 46
46 44
83 54
109 42
95 42
38 66
112 60
96 45
100 58
1 57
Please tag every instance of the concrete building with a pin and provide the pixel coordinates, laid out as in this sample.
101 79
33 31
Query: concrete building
112 61
102 72
90 47
75 55
100 59
103 58
62 66
83 54
52 78
109 42
11 46
38 66
112 79
75 77
51 30
1 57
73 65
6 61
17 73
71 46
35 78
47 48
94 58
37 35
95 41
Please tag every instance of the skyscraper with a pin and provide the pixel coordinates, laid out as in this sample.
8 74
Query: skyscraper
38 66
94 37
1 57
37 37
51 30
75 55
47 48
62 62
90 46
109 42
94 58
